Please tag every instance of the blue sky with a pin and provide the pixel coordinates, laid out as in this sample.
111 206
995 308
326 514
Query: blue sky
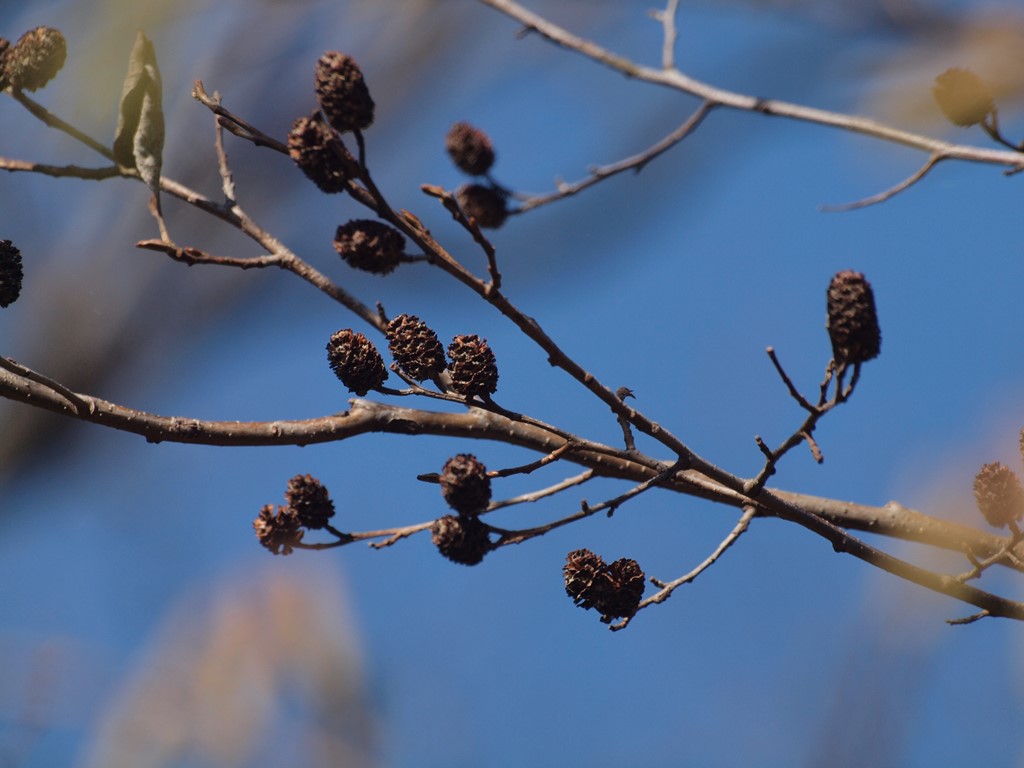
671 282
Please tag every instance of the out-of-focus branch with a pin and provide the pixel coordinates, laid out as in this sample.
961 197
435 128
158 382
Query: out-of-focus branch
677 80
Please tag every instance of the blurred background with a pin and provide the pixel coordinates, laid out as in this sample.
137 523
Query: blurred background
141 623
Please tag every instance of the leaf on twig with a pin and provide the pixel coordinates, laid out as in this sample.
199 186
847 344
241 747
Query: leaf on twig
139 140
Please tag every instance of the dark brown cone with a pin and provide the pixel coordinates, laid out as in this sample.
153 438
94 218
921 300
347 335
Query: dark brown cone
342 92
318 153
370 245
852 319
35 59
279 532
963 97
309 499
628 582
11 273
356 361
999 495
470 149
465 484
461 539
586 578
484 204
473 369
415 347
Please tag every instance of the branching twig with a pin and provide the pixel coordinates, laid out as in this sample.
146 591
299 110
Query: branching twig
673 78
233 122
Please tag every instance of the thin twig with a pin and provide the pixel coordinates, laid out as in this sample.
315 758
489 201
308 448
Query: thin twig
793 391
543 461
41 113
233 122
968 619
667 18
452 206
519 536
226 177
666 588
637 162
543 493
59 171
881 197
81 406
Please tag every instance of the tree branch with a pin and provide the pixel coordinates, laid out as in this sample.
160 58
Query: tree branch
676 80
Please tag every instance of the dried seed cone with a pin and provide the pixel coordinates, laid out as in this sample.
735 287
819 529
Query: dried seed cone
277 531
470 149
309 499
461 539
963 97
415 347
627 589
485 204
11 273
342 92
473 369
586 578
317 152
370 245
35 59
465 484
852 319
999 494
356 361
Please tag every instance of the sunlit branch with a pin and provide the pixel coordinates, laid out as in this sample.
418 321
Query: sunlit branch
675 79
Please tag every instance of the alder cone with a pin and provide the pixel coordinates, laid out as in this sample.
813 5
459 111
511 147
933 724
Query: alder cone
473 369
317 152
371 246
465 484
11 273
355 361
586 578
470 149
627 588
462 540
613 590
963 97
35 59
486 205
309 499
852 319
279 530
999 494
342 92
415 347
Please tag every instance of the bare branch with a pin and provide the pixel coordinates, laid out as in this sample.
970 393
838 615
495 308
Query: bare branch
673 78
636 162
666 588
881 197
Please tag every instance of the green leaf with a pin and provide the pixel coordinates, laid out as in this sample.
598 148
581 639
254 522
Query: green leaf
139 139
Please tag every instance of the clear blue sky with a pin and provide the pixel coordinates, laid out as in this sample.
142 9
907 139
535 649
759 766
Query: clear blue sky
671 282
